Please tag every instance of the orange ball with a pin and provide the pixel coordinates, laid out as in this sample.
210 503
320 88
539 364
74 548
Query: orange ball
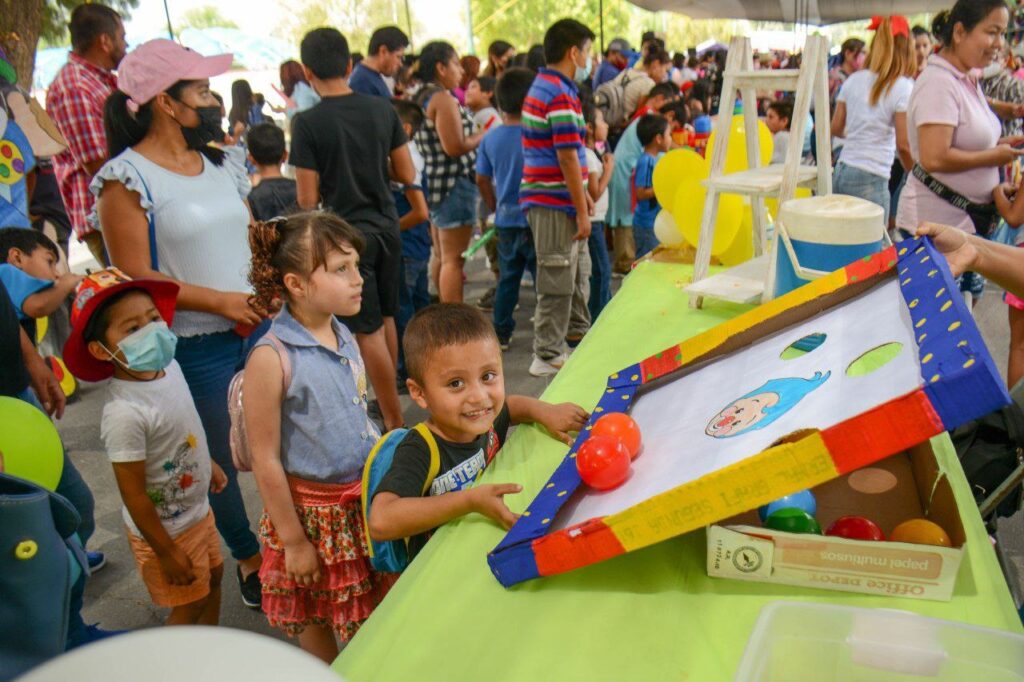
620 425
921 532
603 462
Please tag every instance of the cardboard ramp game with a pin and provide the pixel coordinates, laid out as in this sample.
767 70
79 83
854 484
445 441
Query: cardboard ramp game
845 371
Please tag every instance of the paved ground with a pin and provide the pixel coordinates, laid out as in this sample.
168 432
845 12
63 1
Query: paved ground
116 597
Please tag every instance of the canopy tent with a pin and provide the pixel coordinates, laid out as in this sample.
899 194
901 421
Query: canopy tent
818 12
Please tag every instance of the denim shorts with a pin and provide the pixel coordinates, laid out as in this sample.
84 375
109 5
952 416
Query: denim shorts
860 183
458 208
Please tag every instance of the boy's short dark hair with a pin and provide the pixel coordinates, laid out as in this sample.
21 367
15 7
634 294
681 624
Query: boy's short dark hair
666 90
649 127
783 108
266 144
88 22
680 112
391 37
487 83
25 240
440 325
324 51
563 35
657 54
409 112
99 322
511 89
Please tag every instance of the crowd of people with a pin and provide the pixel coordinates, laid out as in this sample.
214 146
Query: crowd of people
302 261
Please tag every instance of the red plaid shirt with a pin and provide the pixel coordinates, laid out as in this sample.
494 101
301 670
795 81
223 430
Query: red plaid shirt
75 103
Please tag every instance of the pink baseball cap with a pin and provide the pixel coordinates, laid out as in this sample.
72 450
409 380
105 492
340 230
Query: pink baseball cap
158 64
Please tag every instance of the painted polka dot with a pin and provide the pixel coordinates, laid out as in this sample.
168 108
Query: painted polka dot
890 263
5 171
526 513
610 391
926 359
968 363
935 378
546 521
904 271
922 337
550 485
913 304
598 409
625 396
679 357
7 151
589 426
932 273
650 375
18 165
562 494
946 306
919 249
961 344
867 259
940 292
902 251
905 282
634 377
854 278
954 326
926 258
921 323
615 376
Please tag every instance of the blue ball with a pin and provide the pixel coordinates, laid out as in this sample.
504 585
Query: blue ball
702 124
800 500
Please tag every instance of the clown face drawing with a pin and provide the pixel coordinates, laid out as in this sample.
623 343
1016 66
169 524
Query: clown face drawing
762 406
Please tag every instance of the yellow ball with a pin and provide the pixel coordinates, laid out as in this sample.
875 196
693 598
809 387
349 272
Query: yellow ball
921 532
689 209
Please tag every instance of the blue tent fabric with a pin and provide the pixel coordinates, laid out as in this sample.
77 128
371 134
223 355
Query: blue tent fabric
252 53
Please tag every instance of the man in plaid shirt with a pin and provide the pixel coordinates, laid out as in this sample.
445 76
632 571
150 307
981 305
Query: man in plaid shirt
75 103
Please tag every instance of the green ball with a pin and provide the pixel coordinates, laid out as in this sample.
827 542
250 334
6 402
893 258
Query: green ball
793 520
29 443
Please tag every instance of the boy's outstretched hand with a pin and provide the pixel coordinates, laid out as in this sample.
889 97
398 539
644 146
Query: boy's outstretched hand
218 479
563 419
489 499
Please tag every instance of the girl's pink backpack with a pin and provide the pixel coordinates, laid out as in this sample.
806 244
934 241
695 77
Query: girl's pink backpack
240 453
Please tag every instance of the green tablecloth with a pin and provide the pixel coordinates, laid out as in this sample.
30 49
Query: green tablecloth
653 614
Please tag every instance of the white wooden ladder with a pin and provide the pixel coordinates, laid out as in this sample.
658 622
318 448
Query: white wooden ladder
746 282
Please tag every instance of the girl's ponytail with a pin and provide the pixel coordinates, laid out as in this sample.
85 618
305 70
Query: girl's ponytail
267 280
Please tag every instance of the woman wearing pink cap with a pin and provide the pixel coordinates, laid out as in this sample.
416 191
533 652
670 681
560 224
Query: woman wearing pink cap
172 207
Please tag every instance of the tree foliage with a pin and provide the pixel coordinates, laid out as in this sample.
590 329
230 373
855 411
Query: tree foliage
356 19
206 16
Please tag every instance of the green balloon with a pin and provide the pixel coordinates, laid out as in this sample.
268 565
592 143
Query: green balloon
793 520
29 443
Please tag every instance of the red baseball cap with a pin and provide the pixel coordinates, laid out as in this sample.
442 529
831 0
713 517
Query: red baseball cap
90 294
157 64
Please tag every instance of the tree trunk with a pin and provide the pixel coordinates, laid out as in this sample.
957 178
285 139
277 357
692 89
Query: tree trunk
20 23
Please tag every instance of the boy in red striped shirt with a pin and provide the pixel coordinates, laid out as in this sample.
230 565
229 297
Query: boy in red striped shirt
553 194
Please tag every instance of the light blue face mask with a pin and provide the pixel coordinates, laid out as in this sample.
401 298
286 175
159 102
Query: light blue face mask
583 72
149 349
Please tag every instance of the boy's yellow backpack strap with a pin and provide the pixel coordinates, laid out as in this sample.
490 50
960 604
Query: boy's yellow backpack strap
435 456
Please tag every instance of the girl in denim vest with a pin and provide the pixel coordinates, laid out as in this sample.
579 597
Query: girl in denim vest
305 417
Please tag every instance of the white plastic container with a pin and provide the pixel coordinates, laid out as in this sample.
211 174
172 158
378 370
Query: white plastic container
807 642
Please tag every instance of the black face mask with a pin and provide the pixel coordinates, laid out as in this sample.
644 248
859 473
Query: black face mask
207 131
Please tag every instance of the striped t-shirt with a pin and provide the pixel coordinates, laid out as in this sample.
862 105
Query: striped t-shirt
552 119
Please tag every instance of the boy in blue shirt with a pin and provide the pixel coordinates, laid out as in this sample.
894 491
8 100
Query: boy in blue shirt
28 269
655 136
499 172
414 222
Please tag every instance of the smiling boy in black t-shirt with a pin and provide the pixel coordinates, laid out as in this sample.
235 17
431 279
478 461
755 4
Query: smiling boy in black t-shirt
455 373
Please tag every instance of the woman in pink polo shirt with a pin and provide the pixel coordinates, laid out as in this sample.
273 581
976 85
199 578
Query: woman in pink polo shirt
954 135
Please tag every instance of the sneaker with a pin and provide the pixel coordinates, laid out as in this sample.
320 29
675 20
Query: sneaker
618 275
251 589
486 301
504 344
573 341
97 560
545 368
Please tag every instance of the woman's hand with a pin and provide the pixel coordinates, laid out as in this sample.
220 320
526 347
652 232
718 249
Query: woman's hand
952 243
302 564
1004 155
236 307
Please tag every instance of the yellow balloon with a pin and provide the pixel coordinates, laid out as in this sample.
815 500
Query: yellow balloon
742 248
736 154
42 324
690 207
674 170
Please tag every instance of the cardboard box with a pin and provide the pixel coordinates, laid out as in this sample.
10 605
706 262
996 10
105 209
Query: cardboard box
902 487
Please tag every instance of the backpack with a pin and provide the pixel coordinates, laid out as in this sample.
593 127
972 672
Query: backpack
991 451
610 98
392 556
241 456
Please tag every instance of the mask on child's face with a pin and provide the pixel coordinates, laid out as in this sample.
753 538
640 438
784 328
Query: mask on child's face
149 349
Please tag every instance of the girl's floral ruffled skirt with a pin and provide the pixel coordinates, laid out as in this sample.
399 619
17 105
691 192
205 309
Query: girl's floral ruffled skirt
349 589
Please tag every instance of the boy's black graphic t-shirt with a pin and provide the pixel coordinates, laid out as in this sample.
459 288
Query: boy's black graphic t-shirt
461 463
273 197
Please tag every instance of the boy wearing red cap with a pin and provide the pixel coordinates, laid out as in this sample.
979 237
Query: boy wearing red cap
153 437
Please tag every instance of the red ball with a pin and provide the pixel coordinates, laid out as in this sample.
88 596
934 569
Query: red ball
603 462
856 528
619 425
